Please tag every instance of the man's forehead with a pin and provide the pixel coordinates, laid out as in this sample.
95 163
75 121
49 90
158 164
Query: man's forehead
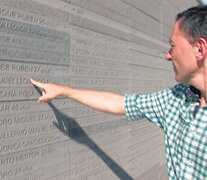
176 32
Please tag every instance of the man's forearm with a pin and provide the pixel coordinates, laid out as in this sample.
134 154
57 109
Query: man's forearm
100 100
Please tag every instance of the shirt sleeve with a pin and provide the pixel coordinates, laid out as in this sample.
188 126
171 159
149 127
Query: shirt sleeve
150 106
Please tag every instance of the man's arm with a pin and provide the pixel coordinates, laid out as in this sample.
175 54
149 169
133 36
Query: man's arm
99 100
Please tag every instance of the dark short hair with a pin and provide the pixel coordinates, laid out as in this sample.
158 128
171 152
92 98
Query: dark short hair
193 22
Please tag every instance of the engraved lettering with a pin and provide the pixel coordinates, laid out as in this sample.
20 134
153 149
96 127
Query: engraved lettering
33 19
17 67
5 121
26 55
41 140
28 42
6 174
26 28
10 147
7 13
81 41
4 67
15 171
81 31
16 93
24 119
78 11
22 156
13 133
13 107
21 80
35 177
7 161
26 131
26 17
6 80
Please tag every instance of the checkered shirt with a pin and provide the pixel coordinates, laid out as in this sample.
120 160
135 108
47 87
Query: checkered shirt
177 112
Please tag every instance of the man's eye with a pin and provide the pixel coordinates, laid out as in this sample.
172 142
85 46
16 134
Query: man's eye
171 49
172 45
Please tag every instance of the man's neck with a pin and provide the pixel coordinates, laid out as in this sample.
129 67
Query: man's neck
203 102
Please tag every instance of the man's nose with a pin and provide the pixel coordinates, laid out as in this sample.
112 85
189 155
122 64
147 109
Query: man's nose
168 56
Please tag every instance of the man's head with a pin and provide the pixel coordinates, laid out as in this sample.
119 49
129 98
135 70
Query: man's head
189 44
193 22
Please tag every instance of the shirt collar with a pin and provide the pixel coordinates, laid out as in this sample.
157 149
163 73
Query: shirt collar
193 93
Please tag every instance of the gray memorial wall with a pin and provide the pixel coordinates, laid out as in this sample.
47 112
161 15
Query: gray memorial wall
112 45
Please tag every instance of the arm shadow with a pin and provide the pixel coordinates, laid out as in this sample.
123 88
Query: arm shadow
63 124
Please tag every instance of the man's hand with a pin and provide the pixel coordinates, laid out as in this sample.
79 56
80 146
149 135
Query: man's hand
49 90
99 100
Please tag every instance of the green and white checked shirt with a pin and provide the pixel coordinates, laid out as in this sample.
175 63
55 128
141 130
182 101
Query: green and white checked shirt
184 123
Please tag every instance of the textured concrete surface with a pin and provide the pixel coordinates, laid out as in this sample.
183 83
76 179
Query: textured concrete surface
117 46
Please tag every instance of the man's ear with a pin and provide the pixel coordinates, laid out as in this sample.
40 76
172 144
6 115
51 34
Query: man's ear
201 49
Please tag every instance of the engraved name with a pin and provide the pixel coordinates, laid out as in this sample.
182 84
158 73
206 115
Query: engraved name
17 93
26 131
8 160
30 29
25 17
24 119
32 56
27 42
15 171
32 142
13 107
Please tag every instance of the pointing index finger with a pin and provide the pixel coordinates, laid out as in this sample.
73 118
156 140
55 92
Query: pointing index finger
36 83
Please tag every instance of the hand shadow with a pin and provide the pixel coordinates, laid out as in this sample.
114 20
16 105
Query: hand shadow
63 124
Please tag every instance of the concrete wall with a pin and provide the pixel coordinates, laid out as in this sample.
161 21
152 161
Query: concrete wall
113 45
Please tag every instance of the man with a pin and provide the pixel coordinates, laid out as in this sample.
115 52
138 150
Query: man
180 111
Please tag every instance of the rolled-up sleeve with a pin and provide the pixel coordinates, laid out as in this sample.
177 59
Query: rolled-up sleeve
132 110
150 106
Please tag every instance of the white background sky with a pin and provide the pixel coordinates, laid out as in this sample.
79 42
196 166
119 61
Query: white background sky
204 1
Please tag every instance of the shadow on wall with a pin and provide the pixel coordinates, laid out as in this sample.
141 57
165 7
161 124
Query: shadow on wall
63 122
